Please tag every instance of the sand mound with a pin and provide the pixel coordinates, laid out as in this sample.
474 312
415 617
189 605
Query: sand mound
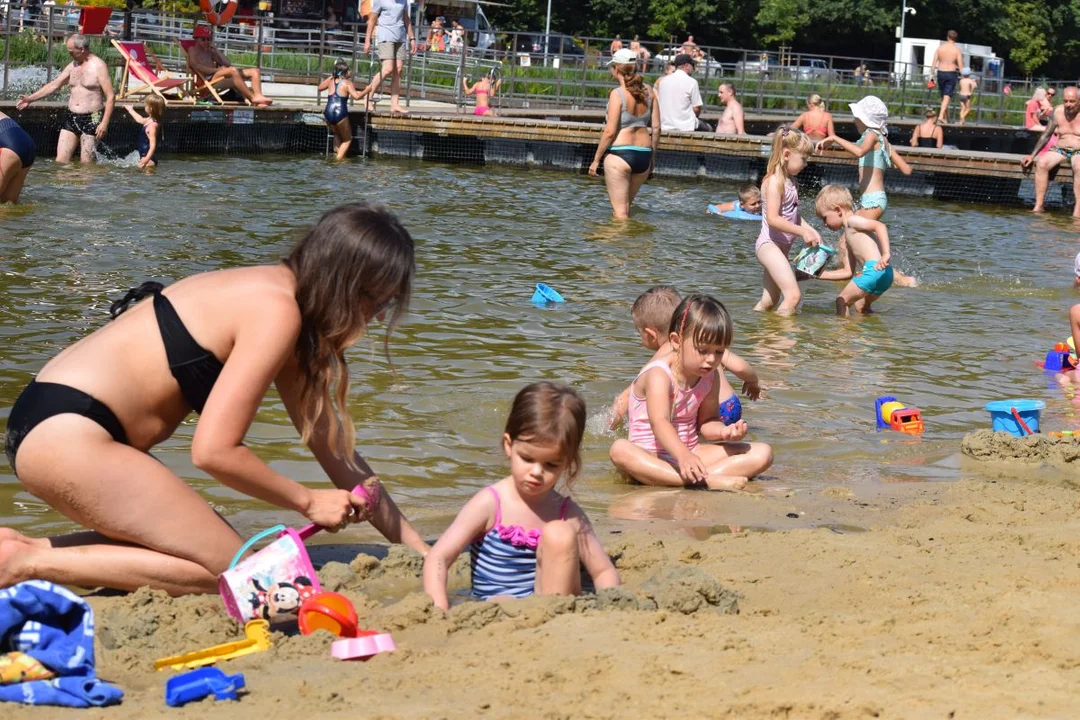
986 445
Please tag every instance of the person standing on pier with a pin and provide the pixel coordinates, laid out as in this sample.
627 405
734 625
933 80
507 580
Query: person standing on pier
1065 126
731 122
90 105
948 59
395 32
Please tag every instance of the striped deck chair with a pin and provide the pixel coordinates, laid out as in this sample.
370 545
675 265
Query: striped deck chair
153 78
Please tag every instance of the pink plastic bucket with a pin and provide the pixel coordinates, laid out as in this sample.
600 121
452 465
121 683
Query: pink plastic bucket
273 583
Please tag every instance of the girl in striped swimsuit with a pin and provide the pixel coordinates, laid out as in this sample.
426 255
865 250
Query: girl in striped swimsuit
525 537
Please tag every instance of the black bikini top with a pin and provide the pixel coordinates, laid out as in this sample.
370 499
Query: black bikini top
195 368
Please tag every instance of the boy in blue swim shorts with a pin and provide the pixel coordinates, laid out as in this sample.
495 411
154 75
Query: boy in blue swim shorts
863 250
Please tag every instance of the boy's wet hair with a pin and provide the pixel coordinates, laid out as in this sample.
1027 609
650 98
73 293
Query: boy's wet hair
653 308
703 319
832 196
550 413
748 191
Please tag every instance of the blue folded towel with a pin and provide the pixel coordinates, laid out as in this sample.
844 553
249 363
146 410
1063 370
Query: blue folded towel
55 627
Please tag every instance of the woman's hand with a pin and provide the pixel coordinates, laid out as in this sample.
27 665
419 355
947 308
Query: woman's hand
822 145
334 509
594 168
692 469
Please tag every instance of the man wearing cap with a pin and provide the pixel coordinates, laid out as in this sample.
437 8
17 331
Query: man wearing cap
212 65
1065 124
680 97
391 17
948 59
90 105
732 121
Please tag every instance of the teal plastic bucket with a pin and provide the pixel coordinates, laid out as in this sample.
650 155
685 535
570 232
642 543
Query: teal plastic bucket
1003 420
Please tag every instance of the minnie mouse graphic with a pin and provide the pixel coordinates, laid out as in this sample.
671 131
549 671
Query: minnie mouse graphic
280 598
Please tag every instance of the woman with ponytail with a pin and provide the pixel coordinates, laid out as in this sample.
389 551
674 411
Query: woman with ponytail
627 147
79 435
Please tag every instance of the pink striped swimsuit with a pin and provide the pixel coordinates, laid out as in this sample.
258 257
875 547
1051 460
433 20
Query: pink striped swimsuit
789 210
685 404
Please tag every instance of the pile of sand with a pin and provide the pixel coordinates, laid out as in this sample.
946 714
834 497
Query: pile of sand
990 446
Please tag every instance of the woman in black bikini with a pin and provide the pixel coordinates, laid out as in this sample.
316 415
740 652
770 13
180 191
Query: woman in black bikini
78 437
928 134
17 154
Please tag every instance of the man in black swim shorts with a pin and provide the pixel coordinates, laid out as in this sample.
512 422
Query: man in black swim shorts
948 59
90 107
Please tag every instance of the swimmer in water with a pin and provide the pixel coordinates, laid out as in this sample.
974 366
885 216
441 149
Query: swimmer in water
484 91
676 400
147 141
339 87
17 154
749 202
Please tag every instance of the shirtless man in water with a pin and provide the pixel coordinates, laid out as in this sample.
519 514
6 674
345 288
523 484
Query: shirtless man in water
731 122
1066 125
948 59
90 106
212 65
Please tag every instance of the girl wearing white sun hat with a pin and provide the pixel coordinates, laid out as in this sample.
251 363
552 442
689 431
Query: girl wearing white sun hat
875 154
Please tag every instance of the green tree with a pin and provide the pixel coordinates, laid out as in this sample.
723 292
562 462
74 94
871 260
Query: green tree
782 19
702 18
1028 27
623 17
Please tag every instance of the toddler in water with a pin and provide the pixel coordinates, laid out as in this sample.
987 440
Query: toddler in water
780 222
1076 271
147 140
749 201
864 243
525 537
677 397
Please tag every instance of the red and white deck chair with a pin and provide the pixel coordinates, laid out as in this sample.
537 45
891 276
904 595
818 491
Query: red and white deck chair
153 78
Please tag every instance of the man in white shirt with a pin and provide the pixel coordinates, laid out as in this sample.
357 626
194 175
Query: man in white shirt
680 98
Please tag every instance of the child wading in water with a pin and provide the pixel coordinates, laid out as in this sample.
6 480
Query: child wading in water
749 201
864 244
780 222
525 537
340 88
147 141
677 397
483 90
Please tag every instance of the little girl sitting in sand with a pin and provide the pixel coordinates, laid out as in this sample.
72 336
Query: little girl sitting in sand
780 222
749 202
676 399
525 537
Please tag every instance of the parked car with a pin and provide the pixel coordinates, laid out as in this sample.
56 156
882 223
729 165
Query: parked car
667 55
758 63
557 44
810 68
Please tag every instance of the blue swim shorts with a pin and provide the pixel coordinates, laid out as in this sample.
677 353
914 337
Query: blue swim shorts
874 200
874 282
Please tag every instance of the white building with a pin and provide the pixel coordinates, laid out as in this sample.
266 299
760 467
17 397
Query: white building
915 56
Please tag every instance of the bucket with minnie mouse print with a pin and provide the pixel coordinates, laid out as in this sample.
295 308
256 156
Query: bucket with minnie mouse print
272 583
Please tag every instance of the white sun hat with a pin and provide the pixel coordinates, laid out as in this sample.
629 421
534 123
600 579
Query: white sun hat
623 57
871 111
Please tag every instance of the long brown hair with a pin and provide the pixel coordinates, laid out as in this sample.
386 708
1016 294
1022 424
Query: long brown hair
546 412
635 84
356 260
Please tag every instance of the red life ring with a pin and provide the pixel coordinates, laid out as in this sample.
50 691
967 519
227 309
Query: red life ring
218 12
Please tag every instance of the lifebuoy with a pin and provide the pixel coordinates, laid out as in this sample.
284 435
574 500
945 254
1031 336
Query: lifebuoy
218 12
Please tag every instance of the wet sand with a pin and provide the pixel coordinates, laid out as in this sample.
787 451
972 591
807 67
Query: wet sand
961 603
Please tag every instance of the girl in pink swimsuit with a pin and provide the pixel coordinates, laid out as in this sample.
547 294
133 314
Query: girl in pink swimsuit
483 90
525 537
675 399
780 221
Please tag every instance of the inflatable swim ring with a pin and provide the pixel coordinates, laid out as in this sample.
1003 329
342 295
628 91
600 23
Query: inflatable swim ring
218 12
734 214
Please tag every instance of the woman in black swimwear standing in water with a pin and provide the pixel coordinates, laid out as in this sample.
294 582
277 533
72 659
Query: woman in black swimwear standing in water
79 435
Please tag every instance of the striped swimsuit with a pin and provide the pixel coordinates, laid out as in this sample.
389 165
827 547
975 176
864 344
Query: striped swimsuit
504 559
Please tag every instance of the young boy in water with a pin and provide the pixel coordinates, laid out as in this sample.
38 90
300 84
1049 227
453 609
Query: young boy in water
651 313
864 243
749 201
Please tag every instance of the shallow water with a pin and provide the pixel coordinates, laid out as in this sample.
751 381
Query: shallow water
996 285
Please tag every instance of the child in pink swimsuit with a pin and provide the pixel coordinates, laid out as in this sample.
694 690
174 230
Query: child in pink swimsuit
483 90
780 221
675 399
525 537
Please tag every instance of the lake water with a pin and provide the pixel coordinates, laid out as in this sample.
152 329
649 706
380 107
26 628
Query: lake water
996 285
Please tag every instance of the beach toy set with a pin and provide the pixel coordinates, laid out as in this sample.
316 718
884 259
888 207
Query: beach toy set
1061 358
198 684
811 260
891 414
334 613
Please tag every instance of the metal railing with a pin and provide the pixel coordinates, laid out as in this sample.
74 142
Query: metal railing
558 73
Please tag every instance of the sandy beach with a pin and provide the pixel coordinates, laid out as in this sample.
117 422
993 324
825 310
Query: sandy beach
959 604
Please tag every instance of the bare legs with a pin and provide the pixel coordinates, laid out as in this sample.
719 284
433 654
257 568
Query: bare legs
558 560
779 279
342 138
150 527
238 79
393 69
622 185
730 465
1043 165
12 176
65 146
943 113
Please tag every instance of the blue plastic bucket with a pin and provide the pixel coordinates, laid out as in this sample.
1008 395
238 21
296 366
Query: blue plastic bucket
1002 419
544 295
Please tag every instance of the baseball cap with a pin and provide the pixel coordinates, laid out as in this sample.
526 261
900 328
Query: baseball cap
871 111
202 31
683 59
624 57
